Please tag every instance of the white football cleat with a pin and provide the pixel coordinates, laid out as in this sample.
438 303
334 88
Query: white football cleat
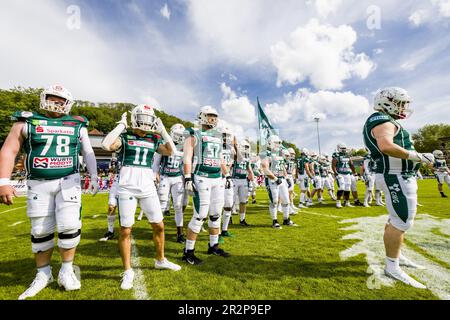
338 204
39 283
400 275
166 264
300 205
366 205
405 262
348 204
69 281
127 280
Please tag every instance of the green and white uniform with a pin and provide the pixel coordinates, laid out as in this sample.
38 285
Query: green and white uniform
369 172
228 156
325 175
290 166
344 177
207 177
240 180
317 181
276 192
441 171
171 182
136 181
52 147
302 177
396 176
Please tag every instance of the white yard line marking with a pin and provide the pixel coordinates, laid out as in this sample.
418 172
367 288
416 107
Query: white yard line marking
13 209
95 216
16 223
320 214
369 230
140 290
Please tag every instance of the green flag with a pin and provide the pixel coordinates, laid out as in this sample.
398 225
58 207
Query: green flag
265 127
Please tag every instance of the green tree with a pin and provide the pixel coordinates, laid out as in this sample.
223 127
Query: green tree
426 139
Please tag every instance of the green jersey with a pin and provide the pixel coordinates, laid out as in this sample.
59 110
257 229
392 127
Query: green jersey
255 169
316 168
301 164
207 152
138 151
52 145
172 166
240 169
277 164
343 163
290 167
386 164
440 165
324 170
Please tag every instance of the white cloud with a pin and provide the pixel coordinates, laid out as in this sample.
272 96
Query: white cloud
237 109
165 12
326 7
418 17
321 53
431 12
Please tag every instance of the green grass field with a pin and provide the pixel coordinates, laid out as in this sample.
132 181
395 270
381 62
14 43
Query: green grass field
303 262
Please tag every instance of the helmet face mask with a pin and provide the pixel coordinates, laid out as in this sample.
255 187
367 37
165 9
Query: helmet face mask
143 118
51 100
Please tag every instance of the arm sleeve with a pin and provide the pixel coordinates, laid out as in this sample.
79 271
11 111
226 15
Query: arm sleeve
156 163
88 153
112 137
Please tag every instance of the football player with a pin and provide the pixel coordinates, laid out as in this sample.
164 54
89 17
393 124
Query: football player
290 170
204 166
242 175
368 174
171 183
256 169
343 168
52 140
228 154
441 171
396 163
315 167
137 183
272 165
327 177
303 175
112 201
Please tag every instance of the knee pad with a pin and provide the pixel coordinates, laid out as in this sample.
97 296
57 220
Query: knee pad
226 213
214 222
69 239
196 224
42 244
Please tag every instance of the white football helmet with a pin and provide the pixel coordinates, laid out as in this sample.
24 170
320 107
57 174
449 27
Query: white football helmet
143 117
208 116
292 153
438 154
177 133
342 148
393 101
52 106
313 155
274 143
286 154
305 152
245 148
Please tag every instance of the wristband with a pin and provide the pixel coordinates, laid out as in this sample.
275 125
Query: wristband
5 182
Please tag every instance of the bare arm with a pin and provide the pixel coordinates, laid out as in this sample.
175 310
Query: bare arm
266 170
166 149
333 166
384 134
251 175
188 155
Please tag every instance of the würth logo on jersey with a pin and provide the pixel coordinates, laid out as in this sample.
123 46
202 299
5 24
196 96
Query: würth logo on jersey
55 130
41 163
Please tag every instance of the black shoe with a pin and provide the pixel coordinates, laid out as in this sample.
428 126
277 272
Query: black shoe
358 203
443 195
166 213
181 238
244 223
107 236
215 250
189 257
289 222
254 202
276 225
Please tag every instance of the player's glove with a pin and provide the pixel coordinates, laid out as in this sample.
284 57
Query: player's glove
93 186
279 181
124 120
159 126
426 158
189 185
228 182
289 183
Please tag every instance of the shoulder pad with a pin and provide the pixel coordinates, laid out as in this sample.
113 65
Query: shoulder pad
22 115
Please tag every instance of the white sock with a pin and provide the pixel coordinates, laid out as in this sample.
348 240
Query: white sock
392 263
67 266
286 210
47 270
213 240
111 220
302 198
226 220
242 216
190 244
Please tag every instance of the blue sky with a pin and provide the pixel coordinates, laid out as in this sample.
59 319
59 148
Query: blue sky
303 59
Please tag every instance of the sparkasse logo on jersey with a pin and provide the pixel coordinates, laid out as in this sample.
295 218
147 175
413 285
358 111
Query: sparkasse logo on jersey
55 130
144 144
